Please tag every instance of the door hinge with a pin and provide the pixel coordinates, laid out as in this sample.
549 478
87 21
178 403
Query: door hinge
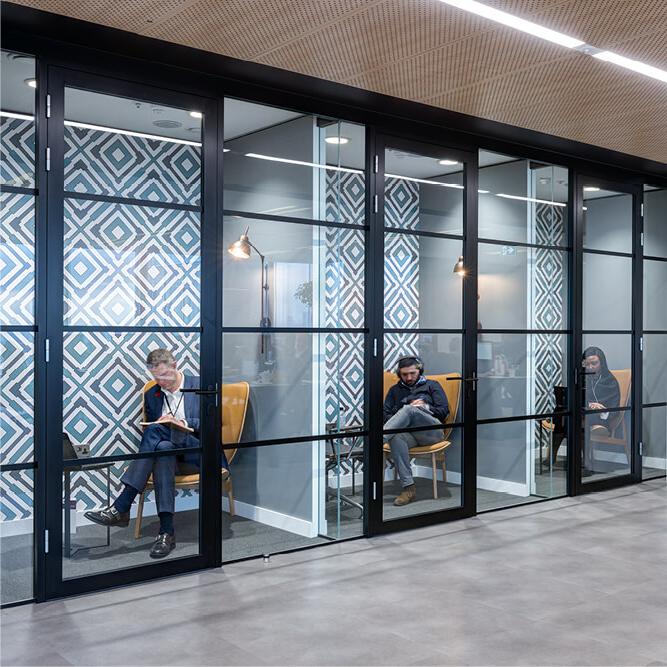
641 448
48 159
375 347
46 541
375 490
48 106
642 210
641 239
641 343
375 203
376 166
47 350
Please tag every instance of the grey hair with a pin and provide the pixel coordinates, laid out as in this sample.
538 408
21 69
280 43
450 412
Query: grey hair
159 356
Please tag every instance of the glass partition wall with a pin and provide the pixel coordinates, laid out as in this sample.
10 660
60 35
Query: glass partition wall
18 193
294 338
290 317
654 337
523 331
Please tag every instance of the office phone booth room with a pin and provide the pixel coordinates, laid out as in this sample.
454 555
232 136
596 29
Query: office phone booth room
287 269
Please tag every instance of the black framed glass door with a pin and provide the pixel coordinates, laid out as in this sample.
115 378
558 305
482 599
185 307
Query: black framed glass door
608 351
131 316
423 357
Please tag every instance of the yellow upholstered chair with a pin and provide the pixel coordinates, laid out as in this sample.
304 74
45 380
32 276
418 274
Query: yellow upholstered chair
235 398
437 450
618 429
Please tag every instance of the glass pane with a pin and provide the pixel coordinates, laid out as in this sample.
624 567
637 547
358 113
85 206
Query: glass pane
134 149
293 495
520 462
655 287
655 368
130 265
171 485
522 200
654 437
422 469
423 193
17 122
441 358
521 374
522 288
17 404
281 162
421 289
607 220
607 442
607 298
306 276
16 535
655 222
299 383
17 258
607 363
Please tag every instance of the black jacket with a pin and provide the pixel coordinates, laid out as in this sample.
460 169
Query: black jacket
428 391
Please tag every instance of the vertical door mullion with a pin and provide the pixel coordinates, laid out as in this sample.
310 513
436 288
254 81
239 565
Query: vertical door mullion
470 334
374 321
54 332
637 333
575 432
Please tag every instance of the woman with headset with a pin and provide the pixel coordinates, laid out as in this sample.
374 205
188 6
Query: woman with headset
413 401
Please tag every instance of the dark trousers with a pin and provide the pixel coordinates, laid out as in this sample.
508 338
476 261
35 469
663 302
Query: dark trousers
158 438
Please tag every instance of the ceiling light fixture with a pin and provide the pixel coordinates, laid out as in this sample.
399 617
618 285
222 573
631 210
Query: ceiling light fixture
483 192
515 22
634 65
447 163
531 199
301 163
337 141
423 180
31 83
591 188
196 114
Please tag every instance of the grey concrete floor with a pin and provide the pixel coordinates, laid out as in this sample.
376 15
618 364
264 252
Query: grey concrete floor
574 581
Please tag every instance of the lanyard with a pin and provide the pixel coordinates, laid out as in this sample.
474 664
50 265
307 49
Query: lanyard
178 405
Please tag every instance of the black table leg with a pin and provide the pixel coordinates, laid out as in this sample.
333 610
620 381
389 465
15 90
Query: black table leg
67 491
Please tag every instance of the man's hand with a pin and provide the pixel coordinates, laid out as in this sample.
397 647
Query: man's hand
418 401
170 419
596 406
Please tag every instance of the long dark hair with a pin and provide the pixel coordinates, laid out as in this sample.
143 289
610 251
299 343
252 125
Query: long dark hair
597 352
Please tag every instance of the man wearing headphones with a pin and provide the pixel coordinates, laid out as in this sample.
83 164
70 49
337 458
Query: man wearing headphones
412 401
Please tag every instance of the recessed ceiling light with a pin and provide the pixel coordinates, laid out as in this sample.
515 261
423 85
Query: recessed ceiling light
591 188
634 65
447 163
515 22
196 114
337 140
32 83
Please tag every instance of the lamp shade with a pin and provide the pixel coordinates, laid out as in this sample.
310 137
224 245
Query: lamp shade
240 248
459 268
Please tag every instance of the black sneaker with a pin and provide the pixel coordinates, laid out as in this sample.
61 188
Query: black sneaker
109 517
164 544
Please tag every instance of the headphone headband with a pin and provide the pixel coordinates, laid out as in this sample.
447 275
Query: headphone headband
414 357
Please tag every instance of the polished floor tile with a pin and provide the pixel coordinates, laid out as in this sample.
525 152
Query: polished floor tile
577 581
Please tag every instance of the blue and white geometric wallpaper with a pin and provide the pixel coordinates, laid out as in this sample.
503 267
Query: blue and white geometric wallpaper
119 165
17 152
130 265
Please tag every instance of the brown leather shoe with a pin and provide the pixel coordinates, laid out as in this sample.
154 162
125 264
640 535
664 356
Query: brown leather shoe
408 495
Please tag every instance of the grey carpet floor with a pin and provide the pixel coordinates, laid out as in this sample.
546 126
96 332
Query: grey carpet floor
241 537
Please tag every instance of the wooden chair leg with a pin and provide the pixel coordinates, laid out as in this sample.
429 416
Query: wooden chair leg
435 476
230 494
140 514
444 470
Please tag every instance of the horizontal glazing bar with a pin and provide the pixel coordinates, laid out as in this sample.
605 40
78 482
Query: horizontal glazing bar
522 244
104 329
14 189
5 467
84 463
132 202
413 232
342 330
340 435
591 251
521 418
246 215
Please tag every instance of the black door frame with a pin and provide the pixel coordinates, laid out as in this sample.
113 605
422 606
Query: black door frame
577 486
376 522
209 510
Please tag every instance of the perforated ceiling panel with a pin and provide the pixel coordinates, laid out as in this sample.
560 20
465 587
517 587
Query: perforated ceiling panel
429 52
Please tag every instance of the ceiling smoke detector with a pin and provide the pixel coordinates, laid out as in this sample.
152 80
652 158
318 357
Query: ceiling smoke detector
167 124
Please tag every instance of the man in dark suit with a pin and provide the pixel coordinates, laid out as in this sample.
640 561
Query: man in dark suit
173 410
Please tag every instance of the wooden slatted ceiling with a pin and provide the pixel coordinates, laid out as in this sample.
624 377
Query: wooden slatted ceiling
429 52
